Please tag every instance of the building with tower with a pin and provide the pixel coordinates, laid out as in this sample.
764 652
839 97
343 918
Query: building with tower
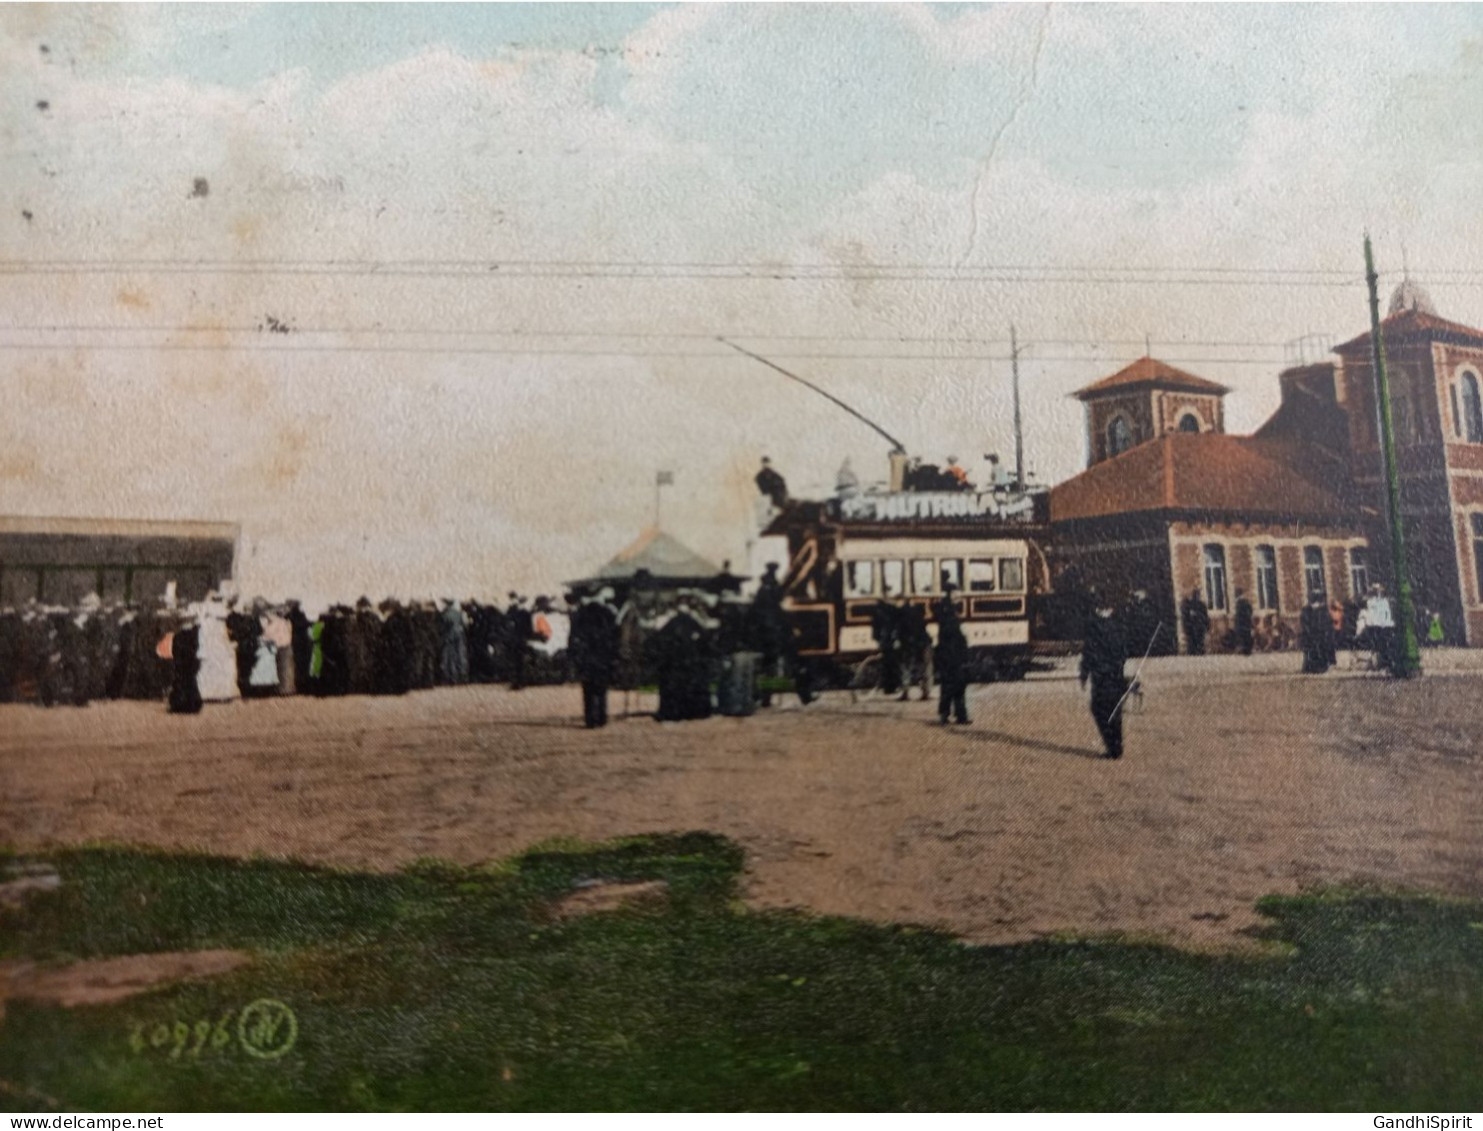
1170 503
1435 371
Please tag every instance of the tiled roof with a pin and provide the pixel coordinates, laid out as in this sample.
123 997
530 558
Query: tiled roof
1150 371
1209 472
1416 323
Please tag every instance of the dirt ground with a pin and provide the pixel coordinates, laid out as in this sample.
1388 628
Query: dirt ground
1241 779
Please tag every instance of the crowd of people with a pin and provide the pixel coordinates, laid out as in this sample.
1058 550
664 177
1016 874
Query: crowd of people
220 649
703 652
1324 628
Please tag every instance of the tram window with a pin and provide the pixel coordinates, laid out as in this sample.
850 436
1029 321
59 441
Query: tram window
980 575
893 578
951 572
1011 574
859 579
923 575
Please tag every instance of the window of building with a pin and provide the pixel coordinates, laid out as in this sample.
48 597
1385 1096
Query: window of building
1313 579
1266 578
924 575
1359 572
1119 436
859 579
951 572
893 577
1477 520
1011 574
980 575
1215 577
1472 410
1189 422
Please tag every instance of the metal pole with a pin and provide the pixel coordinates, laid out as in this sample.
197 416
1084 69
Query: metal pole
1019 433
1408 661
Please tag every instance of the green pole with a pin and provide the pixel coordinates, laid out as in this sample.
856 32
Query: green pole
1408 660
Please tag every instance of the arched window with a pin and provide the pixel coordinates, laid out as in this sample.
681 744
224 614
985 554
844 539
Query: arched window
1189 422
1119 436
1472 410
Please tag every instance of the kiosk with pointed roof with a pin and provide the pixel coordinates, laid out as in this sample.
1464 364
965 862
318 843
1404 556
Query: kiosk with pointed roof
658 562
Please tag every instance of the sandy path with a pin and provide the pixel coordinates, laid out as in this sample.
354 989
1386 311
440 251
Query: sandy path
1239 782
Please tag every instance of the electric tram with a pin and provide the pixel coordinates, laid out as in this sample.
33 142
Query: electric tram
847 554
913 542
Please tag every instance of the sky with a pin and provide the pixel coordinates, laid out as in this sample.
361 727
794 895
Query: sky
424 296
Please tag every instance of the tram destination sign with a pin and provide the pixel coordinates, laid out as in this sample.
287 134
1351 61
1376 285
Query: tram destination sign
913 506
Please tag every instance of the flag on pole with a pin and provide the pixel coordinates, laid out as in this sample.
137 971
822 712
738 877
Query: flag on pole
665 479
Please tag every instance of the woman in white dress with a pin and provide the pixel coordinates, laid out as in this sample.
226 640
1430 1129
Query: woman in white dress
218 678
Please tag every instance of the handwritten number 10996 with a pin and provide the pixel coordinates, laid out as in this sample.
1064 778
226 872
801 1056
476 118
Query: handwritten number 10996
182 1038
265 1029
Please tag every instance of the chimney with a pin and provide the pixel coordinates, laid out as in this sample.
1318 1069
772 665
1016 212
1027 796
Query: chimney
898 470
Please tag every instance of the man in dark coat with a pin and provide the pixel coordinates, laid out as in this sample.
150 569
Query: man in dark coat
593 648
243 630
952 661
362 647
520 630
916 650
681 656
10 654
303 646
1104 655
1196 617
426 640
769 624
885 627
771 484
334 673
484 635
1316 635
185 664
773 634
1146 634
1243 624
398 643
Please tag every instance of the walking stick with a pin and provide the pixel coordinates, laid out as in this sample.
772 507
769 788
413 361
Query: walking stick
1134 684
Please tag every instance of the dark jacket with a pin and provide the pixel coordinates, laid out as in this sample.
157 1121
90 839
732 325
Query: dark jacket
593 645
1104 653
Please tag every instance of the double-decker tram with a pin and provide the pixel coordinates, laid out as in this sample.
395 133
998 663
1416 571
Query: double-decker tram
926 535
846 555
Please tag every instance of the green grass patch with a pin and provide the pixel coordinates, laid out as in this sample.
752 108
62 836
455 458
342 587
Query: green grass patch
445 987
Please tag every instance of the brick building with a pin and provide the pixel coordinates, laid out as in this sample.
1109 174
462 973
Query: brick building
1171 503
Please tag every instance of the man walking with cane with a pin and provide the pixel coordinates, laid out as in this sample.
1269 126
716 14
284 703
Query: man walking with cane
1104 654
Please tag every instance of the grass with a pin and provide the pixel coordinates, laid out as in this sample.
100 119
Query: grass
444 987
